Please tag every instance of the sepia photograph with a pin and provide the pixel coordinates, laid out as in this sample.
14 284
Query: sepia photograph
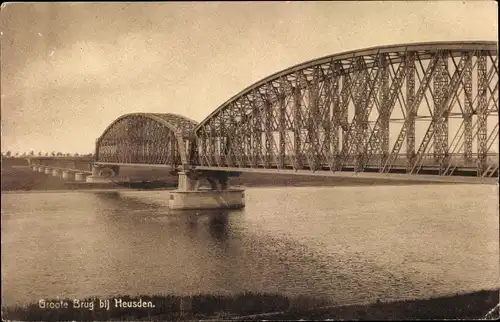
274 160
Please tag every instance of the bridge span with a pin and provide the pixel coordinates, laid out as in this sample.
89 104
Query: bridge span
425 111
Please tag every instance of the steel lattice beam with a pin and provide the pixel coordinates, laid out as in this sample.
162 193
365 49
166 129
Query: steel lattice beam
147 138
359 111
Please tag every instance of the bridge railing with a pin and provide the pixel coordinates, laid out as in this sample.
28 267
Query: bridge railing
63 162
350 162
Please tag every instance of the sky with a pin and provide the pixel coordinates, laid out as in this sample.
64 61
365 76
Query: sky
68 70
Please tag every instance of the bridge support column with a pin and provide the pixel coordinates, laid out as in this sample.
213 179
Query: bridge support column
56 172
48 170
68 175
41 168
81 176
188 182
34 168
103 174
190 196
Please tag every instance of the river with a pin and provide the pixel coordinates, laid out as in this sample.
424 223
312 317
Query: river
353 244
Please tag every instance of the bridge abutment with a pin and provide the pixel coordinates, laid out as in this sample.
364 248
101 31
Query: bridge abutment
81 176
189 195
68 175
188 182
102 174
56 172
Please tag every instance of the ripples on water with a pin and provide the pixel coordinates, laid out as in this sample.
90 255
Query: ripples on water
354 244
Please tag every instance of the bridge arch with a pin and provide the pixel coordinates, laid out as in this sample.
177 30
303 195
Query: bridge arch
147 138
416 107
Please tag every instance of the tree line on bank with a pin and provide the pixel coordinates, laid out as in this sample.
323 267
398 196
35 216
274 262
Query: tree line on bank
10 154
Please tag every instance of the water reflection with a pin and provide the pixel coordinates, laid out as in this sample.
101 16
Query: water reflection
217 221
122 200
218 226
109 195
108 243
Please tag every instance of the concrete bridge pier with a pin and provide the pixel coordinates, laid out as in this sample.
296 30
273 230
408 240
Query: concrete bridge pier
81 176
41 168
34 168
68 175
103 174
48 170
220 196
56 172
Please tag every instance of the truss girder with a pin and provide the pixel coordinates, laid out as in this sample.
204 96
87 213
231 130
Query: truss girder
410 112
438 124
381 109
468 110
147 138
481 112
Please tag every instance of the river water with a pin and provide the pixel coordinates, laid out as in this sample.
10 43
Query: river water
353 244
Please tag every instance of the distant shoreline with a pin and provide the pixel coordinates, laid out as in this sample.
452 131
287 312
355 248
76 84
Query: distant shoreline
79 190
111 187
18 179
121 189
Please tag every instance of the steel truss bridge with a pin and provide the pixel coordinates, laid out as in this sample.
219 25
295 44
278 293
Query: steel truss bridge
416 109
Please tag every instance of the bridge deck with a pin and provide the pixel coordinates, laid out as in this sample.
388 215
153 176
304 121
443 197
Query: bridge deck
365 175
429 173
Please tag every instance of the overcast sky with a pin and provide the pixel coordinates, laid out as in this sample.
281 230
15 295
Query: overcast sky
69 69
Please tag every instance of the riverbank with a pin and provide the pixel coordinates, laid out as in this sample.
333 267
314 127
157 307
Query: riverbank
22 178
473 306
254 306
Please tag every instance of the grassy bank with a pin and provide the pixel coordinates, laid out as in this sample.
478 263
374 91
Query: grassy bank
164 307
476 305
257 306
21 178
